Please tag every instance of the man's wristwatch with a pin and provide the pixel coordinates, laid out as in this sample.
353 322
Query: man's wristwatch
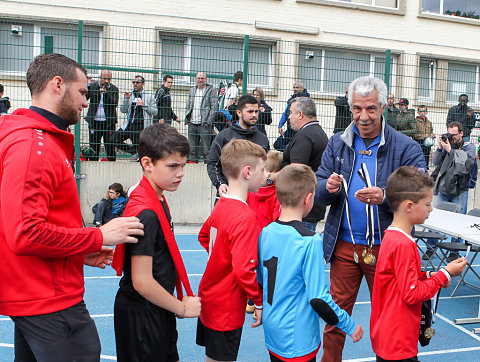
269 179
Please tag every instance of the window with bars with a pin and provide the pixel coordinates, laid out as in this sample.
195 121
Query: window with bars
215 56
426 79
330 71
21 41
463 78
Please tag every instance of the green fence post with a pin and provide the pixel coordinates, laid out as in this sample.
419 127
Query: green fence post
246 47
77 126
388 61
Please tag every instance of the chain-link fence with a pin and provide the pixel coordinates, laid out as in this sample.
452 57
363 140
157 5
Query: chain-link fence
133 89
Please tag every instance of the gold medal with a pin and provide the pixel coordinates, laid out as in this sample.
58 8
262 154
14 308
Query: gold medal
429 332
355 257
369 259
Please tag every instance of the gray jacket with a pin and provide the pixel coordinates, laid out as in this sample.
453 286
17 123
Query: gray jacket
149 109
209 104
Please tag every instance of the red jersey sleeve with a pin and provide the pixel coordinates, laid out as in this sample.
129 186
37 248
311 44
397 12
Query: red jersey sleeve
244 247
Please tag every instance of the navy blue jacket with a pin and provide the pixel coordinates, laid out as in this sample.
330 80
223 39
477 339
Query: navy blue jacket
395 150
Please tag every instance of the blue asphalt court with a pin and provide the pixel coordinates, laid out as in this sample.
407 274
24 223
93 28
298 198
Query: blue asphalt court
451 342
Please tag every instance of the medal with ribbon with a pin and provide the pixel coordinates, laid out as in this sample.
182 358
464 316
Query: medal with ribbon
367 255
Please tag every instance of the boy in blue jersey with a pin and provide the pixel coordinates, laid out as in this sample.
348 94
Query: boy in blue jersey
291 270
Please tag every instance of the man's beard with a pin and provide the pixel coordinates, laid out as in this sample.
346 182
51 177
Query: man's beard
66 110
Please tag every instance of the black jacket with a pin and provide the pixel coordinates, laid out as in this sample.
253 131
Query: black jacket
459 114
164 105
307 147
264 118
110 103
343 116
214 166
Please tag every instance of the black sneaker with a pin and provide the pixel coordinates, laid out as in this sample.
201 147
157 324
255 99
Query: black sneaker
453 256
428 254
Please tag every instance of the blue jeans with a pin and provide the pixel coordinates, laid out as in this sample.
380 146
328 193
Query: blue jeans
461 200
310 225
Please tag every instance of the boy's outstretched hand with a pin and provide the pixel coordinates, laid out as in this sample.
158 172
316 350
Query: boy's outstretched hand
192 306
358 334
456 267
258 314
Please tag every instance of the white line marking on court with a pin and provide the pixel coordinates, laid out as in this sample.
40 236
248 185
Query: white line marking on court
8 345
460 328
430 353
115 277
111 358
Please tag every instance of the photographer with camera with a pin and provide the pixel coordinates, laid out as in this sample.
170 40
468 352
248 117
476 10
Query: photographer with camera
455 173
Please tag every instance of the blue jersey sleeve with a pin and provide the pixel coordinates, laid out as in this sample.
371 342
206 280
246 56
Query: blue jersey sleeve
317 290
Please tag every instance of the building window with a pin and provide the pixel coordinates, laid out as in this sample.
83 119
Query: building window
462 8
462 78
219 57
382 3
426 80
330 71
20 42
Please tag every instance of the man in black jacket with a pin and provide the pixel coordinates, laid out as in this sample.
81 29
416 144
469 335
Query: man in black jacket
102 114
343 116
247 111
165 112
463 114
306 147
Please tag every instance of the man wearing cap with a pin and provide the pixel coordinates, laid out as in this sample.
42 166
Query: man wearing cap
405 121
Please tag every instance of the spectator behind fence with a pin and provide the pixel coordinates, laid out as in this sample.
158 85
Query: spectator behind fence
43 243
405 121
455 172
264 111
285 136
140 108
463 114
306 147
424 136
392 110
247 111
111 206
4 101
165 113
199 116
375 149
233 91
343 116
102 115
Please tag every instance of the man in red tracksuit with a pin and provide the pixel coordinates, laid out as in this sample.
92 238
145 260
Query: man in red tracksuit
42 242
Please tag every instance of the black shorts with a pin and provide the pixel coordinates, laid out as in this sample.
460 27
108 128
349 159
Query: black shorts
143 331
219 345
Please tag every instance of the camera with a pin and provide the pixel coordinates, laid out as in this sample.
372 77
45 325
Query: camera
447 136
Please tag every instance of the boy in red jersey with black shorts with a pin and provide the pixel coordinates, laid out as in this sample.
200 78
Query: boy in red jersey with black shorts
230 236
400 286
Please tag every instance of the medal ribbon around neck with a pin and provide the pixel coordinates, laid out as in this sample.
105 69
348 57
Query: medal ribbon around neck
347 207
369 237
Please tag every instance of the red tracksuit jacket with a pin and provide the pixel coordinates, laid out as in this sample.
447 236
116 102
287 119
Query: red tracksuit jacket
42 242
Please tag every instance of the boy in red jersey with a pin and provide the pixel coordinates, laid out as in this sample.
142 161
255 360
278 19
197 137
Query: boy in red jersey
264 202
400 286
230 236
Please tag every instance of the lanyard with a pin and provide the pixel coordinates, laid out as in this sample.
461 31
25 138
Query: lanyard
364 175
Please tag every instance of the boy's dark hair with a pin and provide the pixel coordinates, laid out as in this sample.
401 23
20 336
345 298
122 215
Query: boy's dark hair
407 183
293 183
422 106
161 140
456 124
46 66
246 99
237 76
1 88
141 78
117 188
274 161
167 76
237 154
